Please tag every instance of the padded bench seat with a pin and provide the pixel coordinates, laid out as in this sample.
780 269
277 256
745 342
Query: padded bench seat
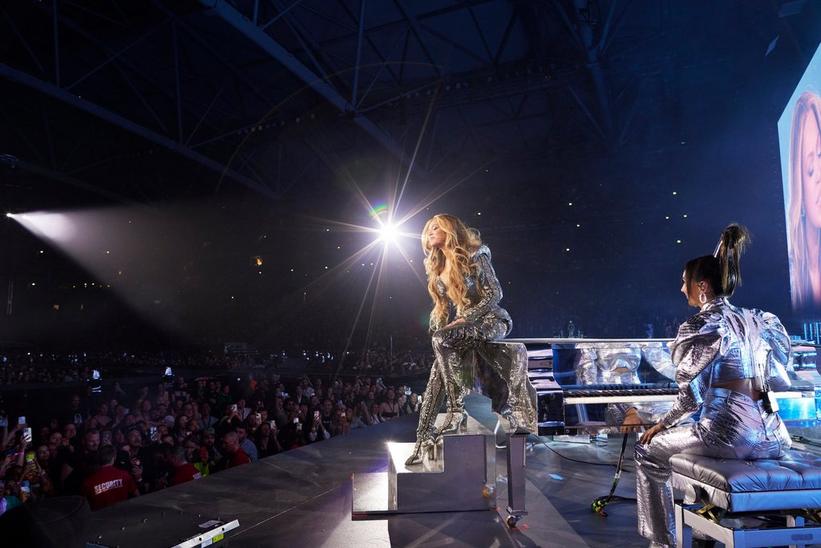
783 487
754 486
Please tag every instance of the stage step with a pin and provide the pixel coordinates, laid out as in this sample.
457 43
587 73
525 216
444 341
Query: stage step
461 478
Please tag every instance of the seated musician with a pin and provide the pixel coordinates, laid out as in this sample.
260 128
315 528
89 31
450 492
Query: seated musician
727 361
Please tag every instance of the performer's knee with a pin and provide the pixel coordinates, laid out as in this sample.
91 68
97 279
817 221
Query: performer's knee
652 455
640 453
644 454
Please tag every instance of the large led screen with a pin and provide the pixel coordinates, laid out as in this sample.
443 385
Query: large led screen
799 135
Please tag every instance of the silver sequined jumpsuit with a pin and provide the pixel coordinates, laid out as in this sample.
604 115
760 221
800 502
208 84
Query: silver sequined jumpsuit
503 368
719 344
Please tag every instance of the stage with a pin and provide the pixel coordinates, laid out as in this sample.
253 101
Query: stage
303 498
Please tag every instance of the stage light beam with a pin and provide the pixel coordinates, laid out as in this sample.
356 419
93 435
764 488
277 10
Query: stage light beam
55 227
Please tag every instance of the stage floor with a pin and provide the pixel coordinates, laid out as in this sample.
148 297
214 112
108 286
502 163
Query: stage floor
303 498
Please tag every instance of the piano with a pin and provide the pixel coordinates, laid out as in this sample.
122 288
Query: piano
579 380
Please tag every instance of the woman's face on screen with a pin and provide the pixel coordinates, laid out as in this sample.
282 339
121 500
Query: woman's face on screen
811 168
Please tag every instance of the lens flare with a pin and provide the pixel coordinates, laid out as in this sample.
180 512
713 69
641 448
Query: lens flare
378 211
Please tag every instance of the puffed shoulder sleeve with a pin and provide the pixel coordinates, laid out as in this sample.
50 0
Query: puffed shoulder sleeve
488 283
696 346
778 350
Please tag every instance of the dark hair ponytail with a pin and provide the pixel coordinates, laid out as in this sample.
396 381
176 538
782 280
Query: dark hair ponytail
734 241
723 268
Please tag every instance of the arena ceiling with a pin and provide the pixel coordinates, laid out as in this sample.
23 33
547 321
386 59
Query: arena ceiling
142 100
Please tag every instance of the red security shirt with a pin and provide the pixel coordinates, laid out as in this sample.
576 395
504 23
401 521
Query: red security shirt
183 473
239 457
107 486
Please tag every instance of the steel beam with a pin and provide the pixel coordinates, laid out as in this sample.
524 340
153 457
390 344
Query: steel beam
55 92
583 32
22 136
55 23
404 57
312 51
383 65
506 36
205 115
587 113
113 57
276 17
479 30
23 41
161 88
358 53
398 97
69 180
205 44
237 20
175 50
344 38
454 44
417 32
141 97
95 13
49 139
381 57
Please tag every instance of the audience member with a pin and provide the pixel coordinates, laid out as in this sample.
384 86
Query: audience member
108 485
233 453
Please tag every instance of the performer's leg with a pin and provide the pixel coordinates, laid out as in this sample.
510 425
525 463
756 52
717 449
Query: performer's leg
731 426
431 401
654 492
509 362
452 347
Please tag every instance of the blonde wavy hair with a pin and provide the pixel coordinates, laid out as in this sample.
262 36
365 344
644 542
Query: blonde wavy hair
460 244
807 110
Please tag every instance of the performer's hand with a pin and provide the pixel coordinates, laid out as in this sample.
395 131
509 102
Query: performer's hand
651 432
457 321
632 421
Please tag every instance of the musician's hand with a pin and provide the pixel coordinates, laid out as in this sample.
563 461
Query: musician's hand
651 432
454 323
632 421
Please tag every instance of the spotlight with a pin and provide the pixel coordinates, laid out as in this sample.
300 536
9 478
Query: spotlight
9 215
388 233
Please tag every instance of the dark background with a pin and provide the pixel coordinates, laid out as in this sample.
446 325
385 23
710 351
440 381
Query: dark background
630 111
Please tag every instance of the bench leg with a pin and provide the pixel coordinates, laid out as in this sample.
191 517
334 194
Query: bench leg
684 533
795 521
516 462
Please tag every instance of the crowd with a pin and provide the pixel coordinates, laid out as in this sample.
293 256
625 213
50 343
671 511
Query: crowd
29 367
377 359
113 445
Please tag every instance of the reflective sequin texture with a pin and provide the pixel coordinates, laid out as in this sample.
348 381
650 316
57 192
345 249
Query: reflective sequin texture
471 353
721 343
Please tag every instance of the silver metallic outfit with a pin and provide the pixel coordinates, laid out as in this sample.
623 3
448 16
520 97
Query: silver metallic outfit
719 344
501 369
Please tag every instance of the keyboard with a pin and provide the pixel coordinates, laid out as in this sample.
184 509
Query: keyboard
620 389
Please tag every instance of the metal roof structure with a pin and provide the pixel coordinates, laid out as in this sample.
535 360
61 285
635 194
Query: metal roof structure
268 94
